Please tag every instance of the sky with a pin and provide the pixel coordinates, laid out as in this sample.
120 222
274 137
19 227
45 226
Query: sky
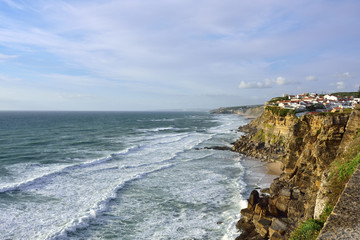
120 55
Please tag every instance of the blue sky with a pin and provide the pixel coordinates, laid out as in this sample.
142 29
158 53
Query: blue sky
173 54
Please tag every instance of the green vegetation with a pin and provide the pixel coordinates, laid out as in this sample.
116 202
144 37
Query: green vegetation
342 169
260 136
275 99
236 108
282 112
269 126
357 134
318 131
346 94
326 212
346 170
310 229
280 140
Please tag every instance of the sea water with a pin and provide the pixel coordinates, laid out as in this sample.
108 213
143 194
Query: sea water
120 175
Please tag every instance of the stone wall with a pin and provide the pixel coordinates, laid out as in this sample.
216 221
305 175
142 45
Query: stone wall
344 221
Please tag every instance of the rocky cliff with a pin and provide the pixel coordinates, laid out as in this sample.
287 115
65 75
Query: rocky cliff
306 146
248 111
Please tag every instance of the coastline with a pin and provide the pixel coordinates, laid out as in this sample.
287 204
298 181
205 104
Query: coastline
259 174
274 168
305 149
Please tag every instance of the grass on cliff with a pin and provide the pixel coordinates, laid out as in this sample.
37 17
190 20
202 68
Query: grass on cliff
275 99
342 169
340 172
282 112
346 170
310 229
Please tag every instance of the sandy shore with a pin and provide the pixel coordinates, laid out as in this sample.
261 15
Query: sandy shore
259 174
274 168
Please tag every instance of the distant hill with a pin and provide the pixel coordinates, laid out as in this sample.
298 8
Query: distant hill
250 111
343 94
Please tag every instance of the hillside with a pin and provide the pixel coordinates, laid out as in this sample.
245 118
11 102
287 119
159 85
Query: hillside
249 111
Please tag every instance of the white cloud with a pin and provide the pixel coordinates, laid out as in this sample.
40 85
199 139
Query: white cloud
264 84
4 57
340 85
345 75
281 81
311 78
267 83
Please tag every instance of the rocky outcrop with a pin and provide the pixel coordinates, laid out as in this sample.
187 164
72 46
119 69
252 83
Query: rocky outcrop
248 111
306 147
267 138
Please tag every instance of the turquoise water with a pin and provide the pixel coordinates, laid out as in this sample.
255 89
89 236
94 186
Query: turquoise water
119 175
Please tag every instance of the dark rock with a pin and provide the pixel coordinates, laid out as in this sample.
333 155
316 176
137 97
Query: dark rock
277 226
262 227
282 204
245 226
277 236
265 190
276 186
296 193
247 214
272 208
222 148
285 192
253 199
296 209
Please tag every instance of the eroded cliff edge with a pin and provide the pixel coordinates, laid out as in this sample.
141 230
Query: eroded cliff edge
307 147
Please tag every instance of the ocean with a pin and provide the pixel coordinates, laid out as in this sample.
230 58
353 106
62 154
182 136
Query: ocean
122 175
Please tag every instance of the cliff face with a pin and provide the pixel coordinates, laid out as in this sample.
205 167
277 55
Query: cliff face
249 111
306 147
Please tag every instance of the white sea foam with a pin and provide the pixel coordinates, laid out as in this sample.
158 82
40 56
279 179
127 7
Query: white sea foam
32 174
100 206
72 203
179 192
158 129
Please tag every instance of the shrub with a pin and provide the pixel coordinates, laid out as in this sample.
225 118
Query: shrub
282 112
347 169
308 230
275 99
260 136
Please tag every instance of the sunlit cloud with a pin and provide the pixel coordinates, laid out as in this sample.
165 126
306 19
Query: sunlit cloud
345 75
311 78
340 85
267 83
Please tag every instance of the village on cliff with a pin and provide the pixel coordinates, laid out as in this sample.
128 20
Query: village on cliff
315 103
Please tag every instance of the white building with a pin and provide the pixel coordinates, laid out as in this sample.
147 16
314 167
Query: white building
331 97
